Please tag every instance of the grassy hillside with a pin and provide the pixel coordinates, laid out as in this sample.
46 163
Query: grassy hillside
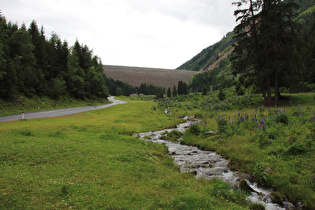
209 55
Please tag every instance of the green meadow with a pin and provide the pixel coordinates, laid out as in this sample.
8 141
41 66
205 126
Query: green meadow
276 145
91 161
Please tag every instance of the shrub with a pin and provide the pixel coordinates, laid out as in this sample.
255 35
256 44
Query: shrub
221 95
257 206
262 139
173 136
222 125
198 115
282 118
194 129
259 175
297 148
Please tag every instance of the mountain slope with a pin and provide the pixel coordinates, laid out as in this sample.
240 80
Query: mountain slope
208 56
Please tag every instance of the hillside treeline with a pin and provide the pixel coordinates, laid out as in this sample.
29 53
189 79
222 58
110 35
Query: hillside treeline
32 65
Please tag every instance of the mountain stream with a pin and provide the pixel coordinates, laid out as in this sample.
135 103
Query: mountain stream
208 164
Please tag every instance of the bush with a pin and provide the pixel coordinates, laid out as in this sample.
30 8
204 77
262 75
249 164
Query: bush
194 129
222 125
173 136
282 118
221 95
259 176
297 148
256 206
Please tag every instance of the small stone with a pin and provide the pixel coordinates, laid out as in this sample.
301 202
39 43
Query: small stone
269 171
210 132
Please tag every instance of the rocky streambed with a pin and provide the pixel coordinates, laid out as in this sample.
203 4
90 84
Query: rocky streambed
208 165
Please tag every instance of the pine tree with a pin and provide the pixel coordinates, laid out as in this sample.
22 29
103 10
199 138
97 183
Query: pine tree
266 47
8 77
174 91
21 53
182 88
169 92
75 77
39 51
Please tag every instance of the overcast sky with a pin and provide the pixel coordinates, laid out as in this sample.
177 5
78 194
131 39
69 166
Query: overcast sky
145 33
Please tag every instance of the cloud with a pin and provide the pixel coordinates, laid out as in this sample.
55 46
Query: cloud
153 33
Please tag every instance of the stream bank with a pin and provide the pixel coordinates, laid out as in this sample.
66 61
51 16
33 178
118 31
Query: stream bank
209 165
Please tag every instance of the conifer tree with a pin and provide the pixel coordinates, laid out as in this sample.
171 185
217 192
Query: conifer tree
21 53
169 92
174 91
267 45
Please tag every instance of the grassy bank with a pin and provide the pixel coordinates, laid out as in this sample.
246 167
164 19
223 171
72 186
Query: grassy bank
275 145
23 104
90 160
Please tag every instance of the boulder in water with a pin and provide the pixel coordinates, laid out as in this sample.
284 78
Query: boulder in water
245 187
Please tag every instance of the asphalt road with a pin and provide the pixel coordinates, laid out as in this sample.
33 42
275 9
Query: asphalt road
59 112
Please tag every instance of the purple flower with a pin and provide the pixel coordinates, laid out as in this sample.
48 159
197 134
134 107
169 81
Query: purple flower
286 203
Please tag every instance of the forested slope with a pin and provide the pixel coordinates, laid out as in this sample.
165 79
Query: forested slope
220 75
32 65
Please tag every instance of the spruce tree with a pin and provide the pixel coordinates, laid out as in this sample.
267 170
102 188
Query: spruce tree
169 92
267 45
174 91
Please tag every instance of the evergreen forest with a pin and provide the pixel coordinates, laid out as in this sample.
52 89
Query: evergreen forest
33 65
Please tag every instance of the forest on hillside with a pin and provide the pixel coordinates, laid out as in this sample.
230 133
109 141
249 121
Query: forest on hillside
32 65
297 48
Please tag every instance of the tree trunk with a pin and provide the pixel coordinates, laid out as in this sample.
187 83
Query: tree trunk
277 93
268 93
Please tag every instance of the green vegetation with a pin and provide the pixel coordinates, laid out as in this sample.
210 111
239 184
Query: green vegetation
31 65
267 49
219 77
118 88
275 145
301 47
209 54
172 136
90 160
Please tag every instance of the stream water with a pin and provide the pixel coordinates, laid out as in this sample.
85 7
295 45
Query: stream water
208 164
